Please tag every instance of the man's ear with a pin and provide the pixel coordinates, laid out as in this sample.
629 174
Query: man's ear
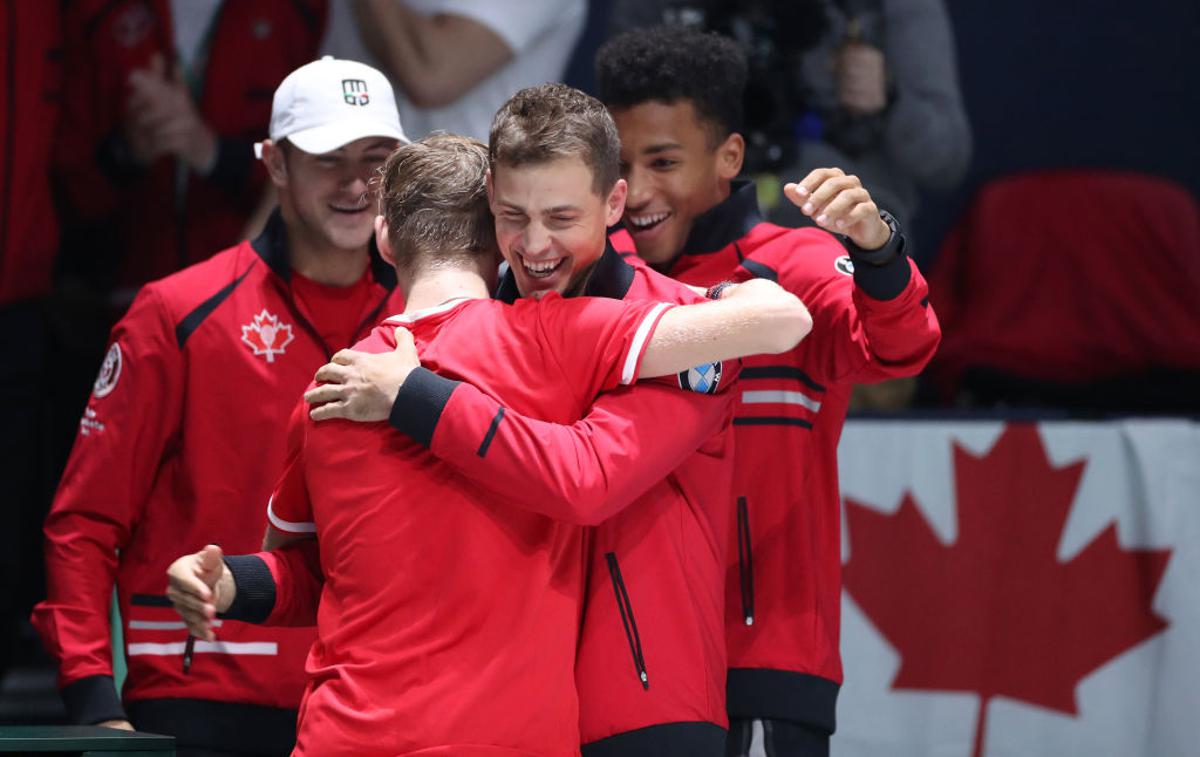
274 158
730 155
616 202
383 242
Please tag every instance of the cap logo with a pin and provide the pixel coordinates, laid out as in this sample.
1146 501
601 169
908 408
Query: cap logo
354 92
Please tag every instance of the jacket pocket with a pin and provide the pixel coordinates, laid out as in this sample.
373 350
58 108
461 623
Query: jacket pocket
627 619
745 561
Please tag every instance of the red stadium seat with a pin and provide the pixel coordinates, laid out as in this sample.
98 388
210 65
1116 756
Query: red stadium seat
1072 287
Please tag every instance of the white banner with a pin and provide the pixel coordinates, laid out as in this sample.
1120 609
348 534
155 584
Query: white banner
1020 589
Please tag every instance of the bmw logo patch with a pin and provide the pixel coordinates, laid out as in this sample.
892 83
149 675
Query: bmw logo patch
703 378
844 265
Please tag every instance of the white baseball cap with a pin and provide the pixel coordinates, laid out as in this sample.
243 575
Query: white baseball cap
328 103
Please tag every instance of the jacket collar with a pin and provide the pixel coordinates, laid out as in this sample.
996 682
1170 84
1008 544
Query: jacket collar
611 277
726 222
272 246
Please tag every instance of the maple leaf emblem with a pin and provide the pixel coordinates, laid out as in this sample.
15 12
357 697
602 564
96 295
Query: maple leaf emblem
996 612
267 336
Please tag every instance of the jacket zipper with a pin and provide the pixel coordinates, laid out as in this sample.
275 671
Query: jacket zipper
626 608
745 561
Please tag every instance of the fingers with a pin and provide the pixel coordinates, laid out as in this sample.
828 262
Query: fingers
404 338
334 373
327 393
347 357
330 411
845 209
210 558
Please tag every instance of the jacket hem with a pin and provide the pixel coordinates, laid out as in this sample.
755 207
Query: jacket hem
782 695
663 740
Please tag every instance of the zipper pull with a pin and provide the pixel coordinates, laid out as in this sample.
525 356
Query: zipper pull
750 620
645 679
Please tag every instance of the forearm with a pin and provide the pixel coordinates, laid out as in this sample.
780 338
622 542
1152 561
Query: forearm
753 318
423 54
580 473
927 135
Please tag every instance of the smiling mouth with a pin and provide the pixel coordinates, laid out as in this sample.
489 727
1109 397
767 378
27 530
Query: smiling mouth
647 221
541 269
351 209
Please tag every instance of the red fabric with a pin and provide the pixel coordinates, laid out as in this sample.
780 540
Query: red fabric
448 619
256 43
177 449
652 465
1071 276
336 311
787 422
31 72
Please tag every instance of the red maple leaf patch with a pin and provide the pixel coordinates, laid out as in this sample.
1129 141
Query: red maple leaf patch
996 612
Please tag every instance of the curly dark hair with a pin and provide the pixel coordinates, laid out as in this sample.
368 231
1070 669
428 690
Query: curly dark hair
670 63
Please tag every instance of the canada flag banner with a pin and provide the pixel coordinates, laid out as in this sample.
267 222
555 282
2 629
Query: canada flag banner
1020 589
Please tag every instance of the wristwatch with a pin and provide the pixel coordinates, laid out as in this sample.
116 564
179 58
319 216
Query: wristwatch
891 249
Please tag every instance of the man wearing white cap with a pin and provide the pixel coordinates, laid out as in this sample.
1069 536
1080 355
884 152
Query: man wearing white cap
182 438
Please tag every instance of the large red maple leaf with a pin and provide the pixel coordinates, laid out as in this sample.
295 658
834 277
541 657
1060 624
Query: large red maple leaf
996 612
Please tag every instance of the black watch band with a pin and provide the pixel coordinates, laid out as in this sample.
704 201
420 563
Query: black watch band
714 291
893 248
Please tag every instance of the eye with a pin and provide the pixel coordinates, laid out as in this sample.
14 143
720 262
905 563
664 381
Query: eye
664 163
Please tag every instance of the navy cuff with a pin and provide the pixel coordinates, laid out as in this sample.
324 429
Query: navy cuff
232 166
255 598
419 404
883 282
92 700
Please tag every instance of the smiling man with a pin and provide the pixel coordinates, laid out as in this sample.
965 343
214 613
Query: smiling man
676 96
157 468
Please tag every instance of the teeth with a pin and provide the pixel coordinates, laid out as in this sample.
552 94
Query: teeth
644 221
542 268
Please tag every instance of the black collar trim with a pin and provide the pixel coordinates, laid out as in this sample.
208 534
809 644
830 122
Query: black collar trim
611 277
725 223
271 245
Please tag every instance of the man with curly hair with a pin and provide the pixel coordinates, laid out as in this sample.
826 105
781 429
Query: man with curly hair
676 96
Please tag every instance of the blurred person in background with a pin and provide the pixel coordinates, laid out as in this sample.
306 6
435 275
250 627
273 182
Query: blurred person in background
453 63
154 466
30 54
675 95
163 101
867 85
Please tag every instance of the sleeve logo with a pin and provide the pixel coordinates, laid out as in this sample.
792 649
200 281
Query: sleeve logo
844 265
267 336
703 378
110 372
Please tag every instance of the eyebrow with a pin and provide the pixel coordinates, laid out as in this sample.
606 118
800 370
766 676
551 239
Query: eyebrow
662 147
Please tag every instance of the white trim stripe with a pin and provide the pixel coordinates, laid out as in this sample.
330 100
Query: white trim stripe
287 525
787 398
268 648
406 318
163 625
641 338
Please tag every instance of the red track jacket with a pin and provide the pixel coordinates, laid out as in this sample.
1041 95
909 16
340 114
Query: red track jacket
448 618
651 662
870 323
144 215
179 446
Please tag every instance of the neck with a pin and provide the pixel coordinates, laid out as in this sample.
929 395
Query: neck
431 289
313 257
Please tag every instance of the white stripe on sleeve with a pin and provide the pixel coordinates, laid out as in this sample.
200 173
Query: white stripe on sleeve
641 338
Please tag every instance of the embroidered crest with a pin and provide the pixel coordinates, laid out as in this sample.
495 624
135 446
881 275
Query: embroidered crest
844 265
267 336
110 372
703 378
